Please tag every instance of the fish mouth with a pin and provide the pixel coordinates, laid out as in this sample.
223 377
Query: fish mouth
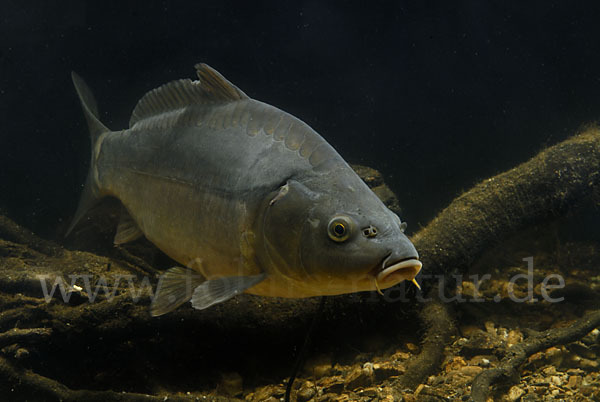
392 273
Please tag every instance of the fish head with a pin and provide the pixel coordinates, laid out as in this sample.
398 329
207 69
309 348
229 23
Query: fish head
336 240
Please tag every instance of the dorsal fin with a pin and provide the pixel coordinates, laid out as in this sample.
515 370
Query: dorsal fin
216 87
211 87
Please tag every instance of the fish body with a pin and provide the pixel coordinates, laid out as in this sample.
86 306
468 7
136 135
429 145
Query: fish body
246 196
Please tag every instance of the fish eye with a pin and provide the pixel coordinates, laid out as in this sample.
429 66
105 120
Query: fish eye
339 228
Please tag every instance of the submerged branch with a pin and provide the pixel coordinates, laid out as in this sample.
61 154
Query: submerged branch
439 325
16 335
38 387
550 184
12 232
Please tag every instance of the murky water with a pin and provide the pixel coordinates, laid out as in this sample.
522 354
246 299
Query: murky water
437 97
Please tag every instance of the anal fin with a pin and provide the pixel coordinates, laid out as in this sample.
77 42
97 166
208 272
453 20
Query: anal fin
175 287
221 289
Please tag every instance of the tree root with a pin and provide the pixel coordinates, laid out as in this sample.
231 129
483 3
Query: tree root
10 231
39 388
439 324
518 354
24 335
557 180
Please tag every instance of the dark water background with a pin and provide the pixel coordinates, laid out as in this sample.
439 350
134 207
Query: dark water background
435 94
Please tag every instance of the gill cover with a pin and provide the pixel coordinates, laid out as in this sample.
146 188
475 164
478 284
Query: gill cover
283 224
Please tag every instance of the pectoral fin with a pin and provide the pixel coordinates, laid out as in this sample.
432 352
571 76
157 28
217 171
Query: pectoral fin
175 287
221 289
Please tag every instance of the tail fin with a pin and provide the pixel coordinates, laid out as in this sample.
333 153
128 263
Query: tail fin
90 193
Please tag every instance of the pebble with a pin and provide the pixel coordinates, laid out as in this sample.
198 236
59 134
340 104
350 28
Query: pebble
470 371
490 327
412 347
419 389
592 338
462 341
514 337
480 361
480 343
306 392
269 392
536 357
502 333
385 370
468 289
582 350
555 356
455 364
400 355
333 384
515 393
21 353
360 377
370 392
574 381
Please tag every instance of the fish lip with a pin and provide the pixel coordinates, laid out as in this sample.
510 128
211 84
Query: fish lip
390 273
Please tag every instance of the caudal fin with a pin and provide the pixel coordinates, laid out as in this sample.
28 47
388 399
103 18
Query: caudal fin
90 194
